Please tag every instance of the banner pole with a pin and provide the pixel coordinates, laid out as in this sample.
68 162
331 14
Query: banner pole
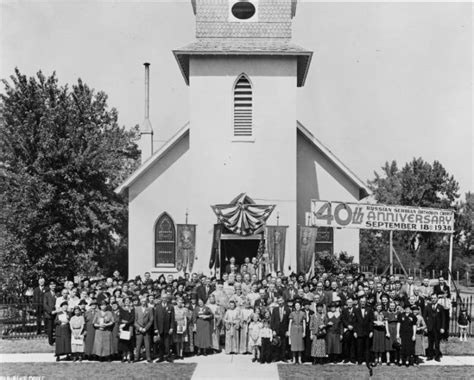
391 252
450 265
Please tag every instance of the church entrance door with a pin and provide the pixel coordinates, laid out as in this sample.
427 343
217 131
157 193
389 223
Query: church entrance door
238 248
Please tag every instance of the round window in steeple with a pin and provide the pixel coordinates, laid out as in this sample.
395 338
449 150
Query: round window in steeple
243 10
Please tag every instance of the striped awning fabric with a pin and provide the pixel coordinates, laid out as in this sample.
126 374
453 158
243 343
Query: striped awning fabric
242 216
243 108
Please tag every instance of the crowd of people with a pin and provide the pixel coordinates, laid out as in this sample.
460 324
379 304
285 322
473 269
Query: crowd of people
326 318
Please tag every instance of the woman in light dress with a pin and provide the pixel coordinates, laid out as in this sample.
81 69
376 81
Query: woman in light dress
77 325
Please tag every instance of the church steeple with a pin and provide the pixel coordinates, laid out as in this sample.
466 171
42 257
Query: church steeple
244 28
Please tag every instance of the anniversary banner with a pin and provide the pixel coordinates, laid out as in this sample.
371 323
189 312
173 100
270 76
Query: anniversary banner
380 217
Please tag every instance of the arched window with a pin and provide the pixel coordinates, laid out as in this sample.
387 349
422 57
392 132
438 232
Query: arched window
165 242
243 107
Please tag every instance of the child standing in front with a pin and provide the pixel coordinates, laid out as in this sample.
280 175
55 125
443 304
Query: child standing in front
254 341
464 320
266 337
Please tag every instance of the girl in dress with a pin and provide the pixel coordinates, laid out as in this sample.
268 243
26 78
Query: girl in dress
420 335
381 334
103 323
254 342
202 319
63 332
393 355
180 318
77 325
317 327
296 331
232 327
334 333
127 318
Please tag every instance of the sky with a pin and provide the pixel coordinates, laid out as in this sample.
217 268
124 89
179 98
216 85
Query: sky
388 81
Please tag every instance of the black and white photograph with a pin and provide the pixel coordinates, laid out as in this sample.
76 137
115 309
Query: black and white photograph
236 189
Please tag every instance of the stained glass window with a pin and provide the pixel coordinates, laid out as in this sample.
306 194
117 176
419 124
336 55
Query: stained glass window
165 242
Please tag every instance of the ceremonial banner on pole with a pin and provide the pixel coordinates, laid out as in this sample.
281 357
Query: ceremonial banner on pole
381 217
216 247
306 246
186 247
276 241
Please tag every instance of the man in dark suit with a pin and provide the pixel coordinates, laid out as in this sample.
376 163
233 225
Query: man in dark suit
38 300
279 324
164 325
363 331
204 289
143 323
444 298
288 293
49 309
348 340
434 317
307 338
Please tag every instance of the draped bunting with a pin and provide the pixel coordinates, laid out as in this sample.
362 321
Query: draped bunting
242 216
276 240
306 246
186 247
216 247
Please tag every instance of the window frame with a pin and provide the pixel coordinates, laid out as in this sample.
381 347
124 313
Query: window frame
251 137
232 18
156 264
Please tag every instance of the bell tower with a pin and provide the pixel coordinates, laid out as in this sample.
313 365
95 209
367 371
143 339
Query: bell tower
243 71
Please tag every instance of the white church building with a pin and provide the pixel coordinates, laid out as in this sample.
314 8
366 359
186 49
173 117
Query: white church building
243 137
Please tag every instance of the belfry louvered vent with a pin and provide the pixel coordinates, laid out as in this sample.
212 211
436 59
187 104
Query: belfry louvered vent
243 107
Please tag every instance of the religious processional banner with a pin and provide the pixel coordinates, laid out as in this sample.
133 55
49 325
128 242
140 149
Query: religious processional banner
186 247
381 217
306 247
216 247
242 216
276 241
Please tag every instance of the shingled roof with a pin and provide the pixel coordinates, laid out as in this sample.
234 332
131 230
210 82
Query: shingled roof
250 47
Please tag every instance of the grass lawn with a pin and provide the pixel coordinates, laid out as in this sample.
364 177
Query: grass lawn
337 372
25 346
454 347
89 371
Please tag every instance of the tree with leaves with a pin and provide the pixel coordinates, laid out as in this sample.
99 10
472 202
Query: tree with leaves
62 155
418 184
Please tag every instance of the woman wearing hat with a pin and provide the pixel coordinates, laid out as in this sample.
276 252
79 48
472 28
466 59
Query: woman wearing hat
77 325
103 323
317 328
202 319
63 332
127 318
334 333
296 331
180 328
90 330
